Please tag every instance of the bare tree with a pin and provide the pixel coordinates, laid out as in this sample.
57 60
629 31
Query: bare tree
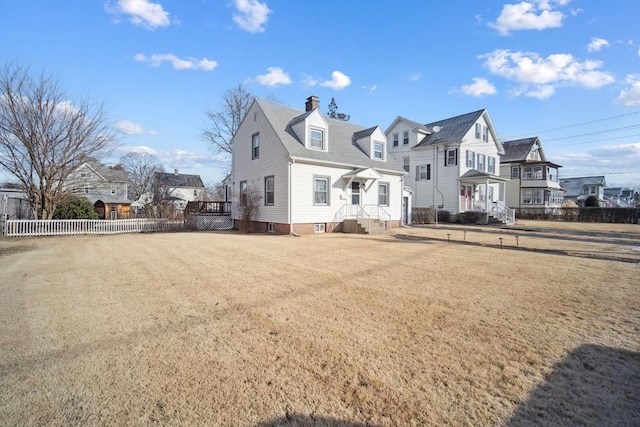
141 168
223 123
44 136
248 204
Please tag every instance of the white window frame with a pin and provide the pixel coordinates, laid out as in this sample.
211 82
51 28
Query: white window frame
491 165
383 194
481 162
378 150
270 228
395 139
515 172
478 130
405 137
327 191
319 228
313 142
471 159
451 160
406 163
114 190
485 133
244 187
423 172
255 146
268 179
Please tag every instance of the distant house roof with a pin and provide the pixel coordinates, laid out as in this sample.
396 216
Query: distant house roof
451 129
517 150
108 173
574 187
177 180
342 148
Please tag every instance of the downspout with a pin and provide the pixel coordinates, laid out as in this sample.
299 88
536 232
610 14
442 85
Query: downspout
290 204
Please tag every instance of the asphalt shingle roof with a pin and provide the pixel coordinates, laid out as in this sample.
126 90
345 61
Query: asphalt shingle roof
451 129
342 148
576 186
179 180
517 150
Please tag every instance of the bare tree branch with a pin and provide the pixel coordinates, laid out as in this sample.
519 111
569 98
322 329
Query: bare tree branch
141 168
223 123
44 137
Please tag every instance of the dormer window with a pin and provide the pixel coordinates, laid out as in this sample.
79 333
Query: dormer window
378 151
317 139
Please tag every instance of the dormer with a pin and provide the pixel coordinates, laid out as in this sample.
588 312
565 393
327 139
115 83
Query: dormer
311 128
373 142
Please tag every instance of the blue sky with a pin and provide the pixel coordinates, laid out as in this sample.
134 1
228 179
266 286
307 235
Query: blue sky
567 71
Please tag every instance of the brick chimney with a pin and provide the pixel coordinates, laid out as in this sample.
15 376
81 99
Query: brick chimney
312 103
175 172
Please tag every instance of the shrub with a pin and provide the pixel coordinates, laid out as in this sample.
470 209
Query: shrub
591 202
423 215
75 207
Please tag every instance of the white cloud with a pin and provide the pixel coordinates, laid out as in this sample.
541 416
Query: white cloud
274 77
603 160
338 81
630 96
309 81
479 87
371 90
414 77
538 77
597 44
131 128
251 15
533 15
141 13
157 59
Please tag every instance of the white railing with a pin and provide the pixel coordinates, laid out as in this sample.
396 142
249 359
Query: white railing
66 227
363 214
505 214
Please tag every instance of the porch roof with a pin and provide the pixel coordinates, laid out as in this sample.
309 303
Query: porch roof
477 177
362 173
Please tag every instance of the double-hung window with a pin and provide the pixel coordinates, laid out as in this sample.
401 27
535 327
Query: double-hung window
423 172
491 165
383 194
471 159
317 139
451 157
478 130
321 190
405 137
269 190
255 146
481 158
378 151
485 133
243 193
405 163
395 139
515 172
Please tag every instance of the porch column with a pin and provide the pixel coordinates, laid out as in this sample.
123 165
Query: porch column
486 196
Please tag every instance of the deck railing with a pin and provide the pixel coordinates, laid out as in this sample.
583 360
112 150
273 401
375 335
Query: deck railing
65 227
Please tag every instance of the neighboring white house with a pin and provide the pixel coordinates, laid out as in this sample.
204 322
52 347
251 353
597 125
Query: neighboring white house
314 174
533 181
178 188
452 164
579 189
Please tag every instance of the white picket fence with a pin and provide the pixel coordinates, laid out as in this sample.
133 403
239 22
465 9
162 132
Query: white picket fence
64 227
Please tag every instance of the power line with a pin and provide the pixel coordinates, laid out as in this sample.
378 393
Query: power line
594 133
579 124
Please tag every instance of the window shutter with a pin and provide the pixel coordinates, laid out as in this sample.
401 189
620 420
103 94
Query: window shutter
456 157
417 172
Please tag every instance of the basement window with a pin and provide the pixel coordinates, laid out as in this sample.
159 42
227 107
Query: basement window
319 228
270 228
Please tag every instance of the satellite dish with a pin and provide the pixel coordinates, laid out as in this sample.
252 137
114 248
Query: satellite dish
436 129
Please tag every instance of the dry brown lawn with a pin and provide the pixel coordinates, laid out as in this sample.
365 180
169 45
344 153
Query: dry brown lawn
346 330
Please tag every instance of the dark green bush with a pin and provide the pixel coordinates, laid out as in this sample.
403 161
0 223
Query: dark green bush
75 207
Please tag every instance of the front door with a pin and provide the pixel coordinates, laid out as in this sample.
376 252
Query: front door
405 210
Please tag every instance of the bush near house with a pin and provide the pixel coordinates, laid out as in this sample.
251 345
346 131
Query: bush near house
75 207
423 215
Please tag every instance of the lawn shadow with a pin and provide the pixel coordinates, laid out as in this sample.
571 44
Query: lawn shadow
592 386
295 420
